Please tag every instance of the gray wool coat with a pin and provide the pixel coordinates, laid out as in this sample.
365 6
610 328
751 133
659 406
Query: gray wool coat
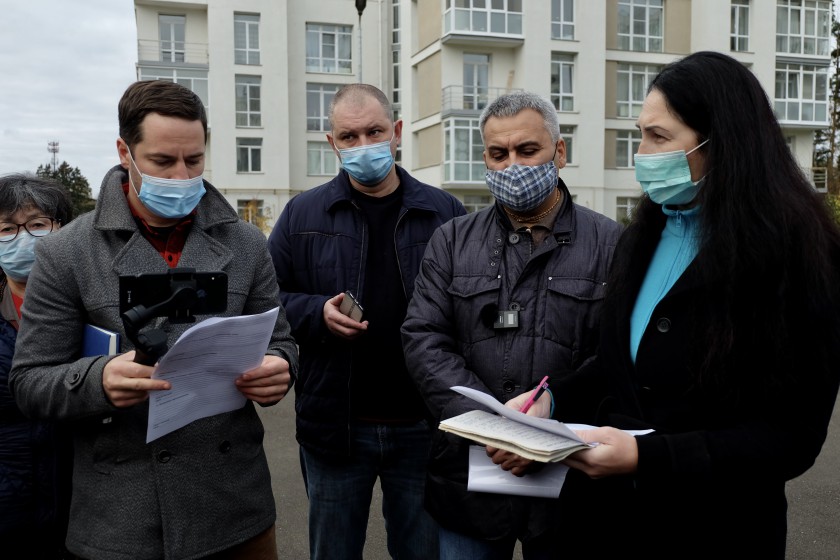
198 490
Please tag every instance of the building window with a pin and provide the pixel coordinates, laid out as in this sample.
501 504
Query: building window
395 56
320 159
499 17
624 206
328 48
640 25
631 87
248 111
172 32
246 38
801 93
563 19
562 74
476 202
248 155
739 30
463 160
803 26
252 211
567 133
476 80
195 80
318 99
626 145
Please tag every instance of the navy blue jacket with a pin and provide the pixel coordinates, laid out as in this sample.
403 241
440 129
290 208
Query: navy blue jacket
319 247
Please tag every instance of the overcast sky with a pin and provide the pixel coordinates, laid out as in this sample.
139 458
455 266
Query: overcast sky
64 65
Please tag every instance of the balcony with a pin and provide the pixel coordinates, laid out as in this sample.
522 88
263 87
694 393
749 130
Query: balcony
482 26
819 178
172 53
468 101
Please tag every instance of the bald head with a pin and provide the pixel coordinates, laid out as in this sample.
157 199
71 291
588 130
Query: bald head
357 95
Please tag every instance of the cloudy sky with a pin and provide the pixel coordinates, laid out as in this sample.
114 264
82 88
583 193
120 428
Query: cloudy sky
64 65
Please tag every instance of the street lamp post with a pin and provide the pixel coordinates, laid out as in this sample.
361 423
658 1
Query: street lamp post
360 7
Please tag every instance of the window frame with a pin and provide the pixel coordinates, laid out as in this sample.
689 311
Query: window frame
631 140
249 54
739 20
563 29
559 61
790 42
476 168
252 116
568 136
632 105
324 100
251 147
630 40
175 54
784 103
318 62
325 154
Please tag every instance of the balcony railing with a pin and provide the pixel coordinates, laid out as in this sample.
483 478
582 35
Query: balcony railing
484 26
469 100
819 178
172 52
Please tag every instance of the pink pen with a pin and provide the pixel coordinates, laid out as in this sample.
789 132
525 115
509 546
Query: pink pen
537 393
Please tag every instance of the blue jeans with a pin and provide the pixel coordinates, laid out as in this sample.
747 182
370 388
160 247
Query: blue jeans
340 494
455 546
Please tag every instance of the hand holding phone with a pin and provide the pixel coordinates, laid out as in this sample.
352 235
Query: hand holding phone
351 307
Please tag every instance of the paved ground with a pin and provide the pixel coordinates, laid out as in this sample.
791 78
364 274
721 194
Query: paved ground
813 519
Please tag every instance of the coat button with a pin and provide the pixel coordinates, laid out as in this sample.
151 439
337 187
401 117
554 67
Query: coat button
663 325
164 456
508 386
513 238
224 447
75 377
514 306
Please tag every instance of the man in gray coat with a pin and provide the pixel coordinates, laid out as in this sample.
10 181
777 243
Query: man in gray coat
202 489
504 297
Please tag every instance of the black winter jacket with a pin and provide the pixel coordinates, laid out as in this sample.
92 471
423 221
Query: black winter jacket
319 246
470 272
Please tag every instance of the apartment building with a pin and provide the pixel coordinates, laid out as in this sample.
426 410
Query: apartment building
267 70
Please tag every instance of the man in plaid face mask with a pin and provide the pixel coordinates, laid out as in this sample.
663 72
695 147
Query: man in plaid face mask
504 297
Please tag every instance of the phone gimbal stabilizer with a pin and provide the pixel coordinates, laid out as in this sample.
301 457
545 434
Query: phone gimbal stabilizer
179 294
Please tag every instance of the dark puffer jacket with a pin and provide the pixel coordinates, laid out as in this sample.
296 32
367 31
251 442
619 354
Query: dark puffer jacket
471 271
319 246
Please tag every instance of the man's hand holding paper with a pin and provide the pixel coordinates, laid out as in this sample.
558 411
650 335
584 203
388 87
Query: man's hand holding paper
268 383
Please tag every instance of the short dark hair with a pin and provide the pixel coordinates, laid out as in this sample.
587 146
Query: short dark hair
357 92
21 191
157 96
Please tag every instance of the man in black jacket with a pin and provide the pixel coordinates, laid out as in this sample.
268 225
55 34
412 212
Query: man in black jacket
504 297
359 416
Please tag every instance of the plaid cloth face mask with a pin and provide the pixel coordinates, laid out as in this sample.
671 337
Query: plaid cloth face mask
522 188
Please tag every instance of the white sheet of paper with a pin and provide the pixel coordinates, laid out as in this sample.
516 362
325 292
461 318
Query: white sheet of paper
202 366
486 476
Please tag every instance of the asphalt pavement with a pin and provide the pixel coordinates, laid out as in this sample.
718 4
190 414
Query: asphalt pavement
813 515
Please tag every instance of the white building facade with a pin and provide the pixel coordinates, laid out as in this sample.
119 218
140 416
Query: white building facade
267 69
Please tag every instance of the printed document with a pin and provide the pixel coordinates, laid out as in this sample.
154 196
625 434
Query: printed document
202 366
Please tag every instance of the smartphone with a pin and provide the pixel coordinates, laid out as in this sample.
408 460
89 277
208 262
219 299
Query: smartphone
351 307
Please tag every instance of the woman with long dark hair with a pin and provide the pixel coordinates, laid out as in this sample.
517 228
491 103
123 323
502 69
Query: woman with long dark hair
720 331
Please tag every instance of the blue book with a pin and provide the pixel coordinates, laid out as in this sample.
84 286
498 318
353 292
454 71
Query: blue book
97 341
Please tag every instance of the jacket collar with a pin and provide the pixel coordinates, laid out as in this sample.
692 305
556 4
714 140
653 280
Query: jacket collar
112 211
340 190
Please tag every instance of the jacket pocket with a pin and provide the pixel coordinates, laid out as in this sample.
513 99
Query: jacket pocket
475 304
571 314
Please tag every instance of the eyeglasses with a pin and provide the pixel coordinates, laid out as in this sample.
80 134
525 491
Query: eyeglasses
36 227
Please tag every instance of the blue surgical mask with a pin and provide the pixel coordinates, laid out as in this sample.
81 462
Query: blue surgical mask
168 198
522 188
368 164
666 177
17 256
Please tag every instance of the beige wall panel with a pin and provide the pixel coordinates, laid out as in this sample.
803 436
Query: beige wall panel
428 22
611 69
609 148
429 146
428 84
678 26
